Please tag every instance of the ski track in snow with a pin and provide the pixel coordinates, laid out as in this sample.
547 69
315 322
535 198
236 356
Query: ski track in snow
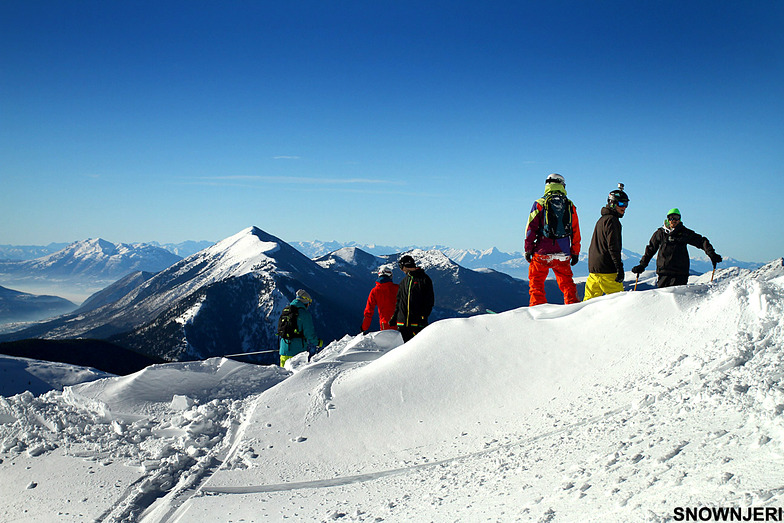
168 449
167 507
359 478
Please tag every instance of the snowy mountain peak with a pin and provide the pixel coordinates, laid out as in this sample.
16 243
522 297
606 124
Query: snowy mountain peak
352 255
93 260
250 241
246 244
90 248
431 259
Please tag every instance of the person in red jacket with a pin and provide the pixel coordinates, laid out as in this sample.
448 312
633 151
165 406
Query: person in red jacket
383 296
552 241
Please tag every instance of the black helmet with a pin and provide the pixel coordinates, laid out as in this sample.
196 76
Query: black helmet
618 196
406 261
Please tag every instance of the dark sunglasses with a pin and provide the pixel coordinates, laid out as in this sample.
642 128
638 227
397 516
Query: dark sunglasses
674 218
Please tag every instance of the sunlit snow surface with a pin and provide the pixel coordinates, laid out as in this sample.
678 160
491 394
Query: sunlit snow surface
622 408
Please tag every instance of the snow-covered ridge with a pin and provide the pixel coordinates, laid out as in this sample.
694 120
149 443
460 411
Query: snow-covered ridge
246 252
431 259
240 253
617 409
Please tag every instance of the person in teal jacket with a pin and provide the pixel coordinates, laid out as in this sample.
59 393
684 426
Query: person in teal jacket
290 348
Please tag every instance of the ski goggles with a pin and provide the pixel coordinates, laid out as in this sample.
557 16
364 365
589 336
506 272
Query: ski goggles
622 203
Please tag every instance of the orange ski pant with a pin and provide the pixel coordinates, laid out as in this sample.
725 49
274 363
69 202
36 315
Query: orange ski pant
537 274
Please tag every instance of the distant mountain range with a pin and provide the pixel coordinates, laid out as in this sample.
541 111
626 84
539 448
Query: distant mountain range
83 268
513 264
184 249
82 261
31 252
93 259
28 252
227 298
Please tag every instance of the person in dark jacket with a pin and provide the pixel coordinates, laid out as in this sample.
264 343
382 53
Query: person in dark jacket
383 296
415 299
605 265
670 243
307 332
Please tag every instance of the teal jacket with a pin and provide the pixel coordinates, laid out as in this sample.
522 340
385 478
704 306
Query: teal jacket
305 326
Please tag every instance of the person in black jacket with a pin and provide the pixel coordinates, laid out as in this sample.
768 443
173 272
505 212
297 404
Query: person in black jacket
605 266
415 299
672 259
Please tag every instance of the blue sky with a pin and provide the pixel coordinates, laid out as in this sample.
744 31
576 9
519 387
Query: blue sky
392 123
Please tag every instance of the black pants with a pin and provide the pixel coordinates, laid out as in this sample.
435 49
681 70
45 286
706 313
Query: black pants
408 332
668 280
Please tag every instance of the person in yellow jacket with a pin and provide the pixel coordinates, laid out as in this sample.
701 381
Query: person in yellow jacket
605 265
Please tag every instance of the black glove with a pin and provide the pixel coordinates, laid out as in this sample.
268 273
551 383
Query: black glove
715 258
619 278
529 256
575 259
637 269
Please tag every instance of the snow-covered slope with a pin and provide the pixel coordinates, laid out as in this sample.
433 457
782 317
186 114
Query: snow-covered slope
629 407
38 377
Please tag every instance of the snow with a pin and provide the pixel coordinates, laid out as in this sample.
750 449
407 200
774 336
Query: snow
39 377
238 254
192 312
623 408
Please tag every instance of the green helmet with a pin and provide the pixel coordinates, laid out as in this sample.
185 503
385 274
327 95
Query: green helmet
674 210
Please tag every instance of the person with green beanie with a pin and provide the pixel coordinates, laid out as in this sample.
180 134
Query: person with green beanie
670 243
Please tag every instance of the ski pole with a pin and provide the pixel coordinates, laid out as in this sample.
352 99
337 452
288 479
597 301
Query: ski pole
249 353
635 282
712 274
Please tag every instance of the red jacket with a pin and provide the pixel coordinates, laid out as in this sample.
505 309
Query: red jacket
383 296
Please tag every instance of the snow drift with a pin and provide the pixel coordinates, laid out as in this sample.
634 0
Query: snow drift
628 407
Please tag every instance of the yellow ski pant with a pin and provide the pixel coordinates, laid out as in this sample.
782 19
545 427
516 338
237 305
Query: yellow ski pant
598 284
